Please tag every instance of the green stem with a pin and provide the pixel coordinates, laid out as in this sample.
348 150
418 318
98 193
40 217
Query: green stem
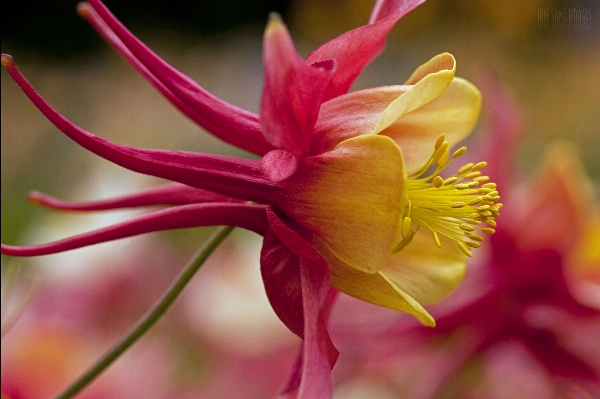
152 316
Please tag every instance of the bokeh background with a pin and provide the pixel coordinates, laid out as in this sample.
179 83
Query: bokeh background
551 70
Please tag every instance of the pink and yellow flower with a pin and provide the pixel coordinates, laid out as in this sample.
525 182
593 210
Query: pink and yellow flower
343 185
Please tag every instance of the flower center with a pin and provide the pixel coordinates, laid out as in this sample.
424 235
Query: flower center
456 207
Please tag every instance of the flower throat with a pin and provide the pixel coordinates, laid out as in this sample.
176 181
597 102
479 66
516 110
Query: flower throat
455 207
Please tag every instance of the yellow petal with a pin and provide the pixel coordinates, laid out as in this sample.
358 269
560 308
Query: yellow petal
424 271
454 113
351 198
375 288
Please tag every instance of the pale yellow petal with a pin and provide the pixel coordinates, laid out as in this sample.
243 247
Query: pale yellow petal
454 113
424 271
440 62
375 288
429 80
351 198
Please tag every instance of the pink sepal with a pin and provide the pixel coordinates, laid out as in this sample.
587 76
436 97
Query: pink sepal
392 8
229 123
355 49
166 194
231 176
250 217
292 92
303 271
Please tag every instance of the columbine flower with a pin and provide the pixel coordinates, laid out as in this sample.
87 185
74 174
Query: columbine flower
344 183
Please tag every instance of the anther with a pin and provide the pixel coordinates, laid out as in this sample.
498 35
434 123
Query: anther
488 230
464 248
437 181
485 213
471 175
491 222
472 184
458 204
489 185
482 179
475 201
467 227
474 237
450 180
465 168
485 190
461 186
479 166
459 152
443 157
473 244
439 151
440 141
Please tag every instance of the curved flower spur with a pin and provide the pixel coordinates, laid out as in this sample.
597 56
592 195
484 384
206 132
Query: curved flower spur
347 186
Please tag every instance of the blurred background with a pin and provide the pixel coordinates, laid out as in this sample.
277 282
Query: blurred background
551 70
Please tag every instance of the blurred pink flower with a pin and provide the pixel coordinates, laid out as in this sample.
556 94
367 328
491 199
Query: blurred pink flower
341 184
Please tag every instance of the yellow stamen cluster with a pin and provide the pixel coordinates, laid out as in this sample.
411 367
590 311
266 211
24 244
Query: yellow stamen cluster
455 207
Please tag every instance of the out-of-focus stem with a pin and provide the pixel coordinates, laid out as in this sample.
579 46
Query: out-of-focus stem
152 316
